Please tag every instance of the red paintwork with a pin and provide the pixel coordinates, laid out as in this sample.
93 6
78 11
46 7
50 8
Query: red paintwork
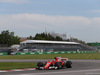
54 61
47 65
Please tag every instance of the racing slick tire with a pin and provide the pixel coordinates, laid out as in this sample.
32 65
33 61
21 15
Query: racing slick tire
58 65
69 64
39 64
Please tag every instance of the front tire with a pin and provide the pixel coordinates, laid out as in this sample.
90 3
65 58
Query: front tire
39 64
69 64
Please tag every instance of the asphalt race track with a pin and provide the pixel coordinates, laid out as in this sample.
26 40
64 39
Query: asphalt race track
80 67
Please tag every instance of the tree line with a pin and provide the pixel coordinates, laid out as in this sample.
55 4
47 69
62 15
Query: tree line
8 38
45 36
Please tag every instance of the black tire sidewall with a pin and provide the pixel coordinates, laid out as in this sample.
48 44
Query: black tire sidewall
69 64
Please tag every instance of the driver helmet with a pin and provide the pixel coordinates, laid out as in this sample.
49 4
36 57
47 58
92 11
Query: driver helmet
55 58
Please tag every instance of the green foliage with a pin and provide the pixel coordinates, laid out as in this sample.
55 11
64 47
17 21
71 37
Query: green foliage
8 38
94 44
44 36
30 37
47 36
51 56
76 40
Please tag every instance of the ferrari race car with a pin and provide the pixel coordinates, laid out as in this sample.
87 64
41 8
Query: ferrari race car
57 63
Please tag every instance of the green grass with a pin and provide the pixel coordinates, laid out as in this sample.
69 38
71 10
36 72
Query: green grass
16 65
51 56
19 65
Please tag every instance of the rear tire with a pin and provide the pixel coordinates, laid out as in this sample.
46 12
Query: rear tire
69 64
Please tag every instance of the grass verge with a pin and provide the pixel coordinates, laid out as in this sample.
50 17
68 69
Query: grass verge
51 56
20 65
16 65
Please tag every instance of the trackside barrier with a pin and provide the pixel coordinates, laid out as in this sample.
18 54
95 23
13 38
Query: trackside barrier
58 52
5 53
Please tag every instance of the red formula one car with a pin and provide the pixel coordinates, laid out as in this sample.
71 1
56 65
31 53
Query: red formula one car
57 63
